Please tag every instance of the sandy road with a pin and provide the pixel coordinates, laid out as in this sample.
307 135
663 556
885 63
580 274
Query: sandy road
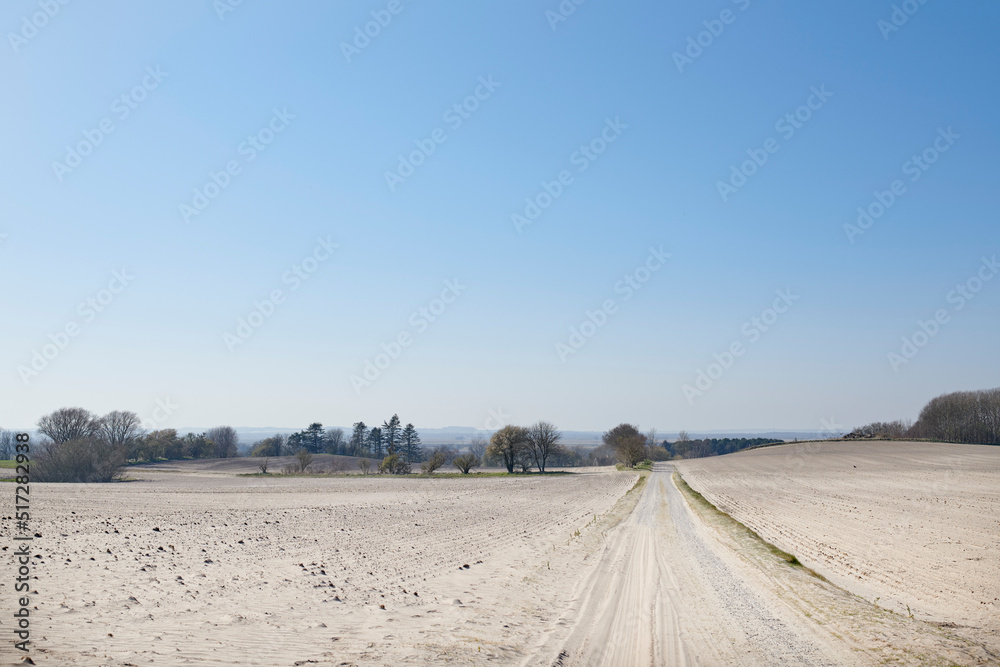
663 593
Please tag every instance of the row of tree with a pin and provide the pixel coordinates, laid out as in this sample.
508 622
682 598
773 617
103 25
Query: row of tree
971 417
378 441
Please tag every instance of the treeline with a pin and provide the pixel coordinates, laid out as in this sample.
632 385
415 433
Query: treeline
79 446
685 448
378 441
969 417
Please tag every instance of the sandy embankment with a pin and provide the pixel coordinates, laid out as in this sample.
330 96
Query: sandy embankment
910 524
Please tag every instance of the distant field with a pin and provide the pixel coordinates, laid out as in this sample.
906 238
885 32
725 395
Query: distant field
8 464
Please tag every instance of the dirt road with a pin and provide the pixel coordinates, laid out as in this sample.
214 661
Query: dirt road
672 588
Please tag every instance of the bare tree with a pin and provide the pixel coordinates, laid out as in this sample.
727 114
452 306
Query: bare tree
122 429
506 444
225 441
304 458
477 446
466 462
263 466
683 437
8 443
69 424
85 460
335 441
628 444
543 443
365 465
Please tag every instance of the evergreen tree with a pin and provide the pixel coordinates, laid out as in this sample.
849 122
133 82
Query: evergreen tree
411 444
359 439
375 442
315 438
390 434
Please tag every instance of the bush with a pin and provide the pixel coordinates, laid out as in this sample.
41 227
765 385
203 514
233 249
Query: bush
433 462
394 464
365 465
87 459
304 459
466 462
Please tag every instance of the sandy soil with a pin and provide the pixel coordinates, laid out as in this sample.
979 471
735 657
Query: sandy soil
210 569
199 566
915 526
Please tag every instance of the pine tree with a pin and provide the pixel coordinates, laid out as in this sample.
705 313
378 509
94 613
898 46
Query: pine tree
411 443
375 441
359 439
390 434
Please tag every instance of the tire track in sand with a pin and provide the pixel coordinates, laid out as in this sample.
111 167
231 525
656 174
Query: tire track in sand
661 595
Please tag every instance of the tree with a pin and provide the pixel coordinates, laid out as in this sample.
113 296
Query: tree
86 460
304 458
506 444
466 462
411 443
198 446
162 444
69 424
8 442
390 434
121 428
375 441
225 442
273 446
437 459
543 443
365 465
628 444
335 442
683 437
477 446
359 438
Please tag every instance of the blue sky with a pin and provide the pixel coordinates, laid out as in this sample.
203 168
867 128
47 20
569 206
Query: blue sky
224 76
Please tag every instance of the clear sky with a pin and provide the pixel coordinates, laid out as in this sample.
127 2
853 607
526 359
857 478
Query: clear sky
117 114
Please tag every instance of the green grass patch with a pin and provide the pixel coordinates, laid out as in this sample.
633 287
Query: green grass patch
436 475
644 465
8 464
706 506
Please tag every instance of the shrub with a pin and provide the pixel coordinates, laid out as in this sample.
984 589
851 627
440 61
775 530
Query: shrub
433 462
304 459
365 465
466 462
394 464
86 459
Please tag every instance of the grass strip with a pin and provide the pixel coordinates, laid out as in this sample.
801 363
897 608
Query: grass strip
694 497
